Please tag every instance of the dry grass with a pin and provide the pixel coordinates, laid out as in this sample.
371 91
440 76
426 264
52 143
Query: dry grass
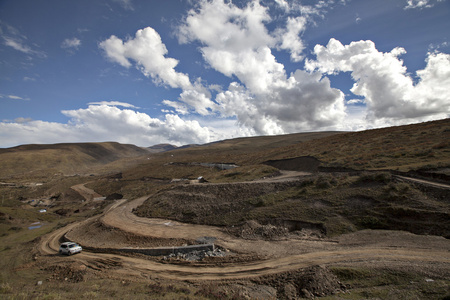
337 204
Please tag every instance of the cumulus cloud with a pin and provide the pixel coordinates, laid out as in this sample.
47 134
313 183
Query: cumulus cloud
236 41
105 123
149 53
290 37
283 4
266 100
305 102
382 79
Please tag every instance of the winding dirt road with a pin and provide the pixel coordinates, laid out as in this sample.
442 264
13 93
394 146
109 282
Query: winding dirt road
131 265
372 247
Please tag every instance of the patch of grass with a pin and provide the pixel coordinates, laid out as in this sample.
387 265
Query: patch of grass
5 288
379 177
371 283
396 191
244 173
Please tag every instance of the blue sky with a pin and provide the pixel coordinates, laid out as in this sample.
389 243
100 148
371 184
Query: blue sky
183 71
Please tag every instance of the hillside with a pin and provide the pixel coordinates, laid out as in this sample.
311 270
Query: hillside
161 148
370 208
30 160
407 147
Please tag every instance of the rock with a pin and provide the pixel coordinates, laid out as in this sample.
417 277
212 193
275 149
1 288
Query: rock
290 292
318 281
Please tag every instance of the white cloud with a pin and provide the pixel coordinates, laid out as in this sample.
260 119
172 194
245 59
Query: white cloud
22 120
263 98
283 4
413 4
266 101
355 101
126 4
14 39
18 45
106 123
149 53
305 102
14 97
290 37
72 43
382 79
113 103
179 107
236 41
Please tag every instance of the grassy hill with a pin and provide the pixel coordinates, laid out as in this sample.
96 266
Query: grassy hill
402 147
325 204
45 160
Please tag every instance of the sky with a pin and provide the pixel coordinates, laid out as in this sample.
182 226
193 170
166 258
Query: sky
146 72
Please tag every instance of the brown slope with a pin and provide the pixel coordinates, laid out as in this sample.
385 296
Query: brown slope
65 158
405 148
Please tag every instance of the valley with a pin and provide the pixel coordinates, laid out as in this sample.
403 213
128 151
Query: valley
299 216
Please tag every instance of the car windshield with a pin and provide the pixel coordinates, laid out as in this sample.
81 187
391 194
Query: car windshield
73 245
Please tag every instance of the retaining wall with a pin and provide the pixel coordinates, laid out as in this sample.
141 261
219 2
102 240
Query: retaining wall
160 251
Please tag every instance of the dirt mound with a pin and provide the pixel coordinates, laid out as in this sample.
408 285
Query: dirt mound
252 230
73 272
316 281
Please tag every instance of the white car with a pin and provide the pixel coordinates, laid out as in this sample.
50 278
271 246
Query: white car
69 248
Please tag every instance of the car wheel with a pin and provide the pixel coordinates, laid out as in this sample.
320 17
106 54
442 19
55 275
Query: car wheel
60 252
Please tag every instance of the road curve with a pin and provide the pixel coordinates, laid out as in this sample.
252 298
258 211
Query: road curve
137 266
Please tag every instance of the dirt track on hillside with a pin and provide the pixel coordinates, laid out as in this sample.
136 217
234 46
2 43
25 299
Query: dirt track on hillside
380 248
390 248
87 193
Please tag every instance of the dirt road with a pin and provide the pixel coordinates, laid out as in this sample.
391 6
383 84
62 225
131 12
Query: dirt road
87 193
373 247
368 253
426 182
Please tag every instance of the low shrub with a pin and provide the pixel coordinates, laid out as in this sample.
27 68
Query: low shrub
380 177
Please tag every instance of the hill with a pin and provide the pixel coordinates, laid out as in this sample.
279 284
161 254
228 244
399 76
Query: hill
405 148
161 148
30 160
371 207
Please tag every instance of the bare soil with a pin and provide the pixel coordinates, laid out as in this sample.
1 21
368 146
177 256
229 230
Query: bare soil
265 261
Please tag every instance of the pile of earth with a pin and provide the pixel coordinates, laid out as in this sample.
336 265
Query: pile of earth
197 255
252 230
316 281
72 272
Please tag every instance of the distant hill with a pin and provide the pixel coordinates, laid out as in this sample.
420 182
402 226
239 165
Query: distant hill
161 148
407 147
64 158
